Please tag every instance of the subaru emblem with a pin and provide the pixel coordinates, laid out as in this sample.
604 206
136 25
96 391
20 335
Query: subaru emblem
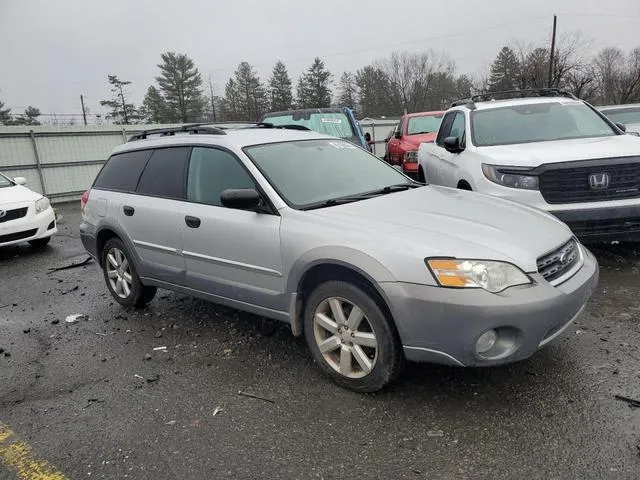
599 181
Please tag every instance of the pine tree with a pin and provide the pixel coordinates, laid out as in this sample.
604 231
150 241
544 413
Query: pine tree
252 96
122 112
231 102
5 115
505 71
313 86
154 109
280 94
29 117
377 96
180 84
347 90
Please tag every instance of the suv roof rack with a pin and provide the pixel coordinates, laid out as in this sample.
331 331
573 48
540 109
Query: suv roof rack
510 94
285 127
191 128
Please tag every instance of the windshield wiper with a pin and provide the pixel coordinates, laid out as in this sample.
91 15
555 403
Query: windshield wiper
420 133
362 196
399 187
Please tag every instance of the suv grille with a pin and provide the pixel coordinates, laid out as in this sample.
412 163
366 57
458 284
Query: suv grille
572 185
14 214
555 264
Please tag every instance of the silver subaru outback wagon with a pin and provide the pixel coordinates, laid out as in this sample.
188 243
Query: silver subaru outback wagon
371 267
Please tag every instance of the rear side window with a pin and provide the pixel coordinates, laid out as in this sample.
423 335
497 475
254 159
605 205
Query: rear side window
122 171
165 174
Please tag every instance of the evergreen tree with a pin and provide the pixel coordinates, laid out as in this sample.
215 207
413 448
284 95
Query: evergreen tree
154 108
180 85
280 94
505 71
313 86
347 90
122 112
5 115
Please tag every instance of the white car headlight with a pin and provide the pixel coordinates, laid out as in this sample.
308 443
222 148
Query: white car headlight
486 274
42 204
510 179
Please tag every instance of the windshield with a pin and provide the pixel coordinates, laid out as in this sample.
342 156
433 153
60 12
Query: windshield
424 124
624 115
307 172
335 124
5 182
537 122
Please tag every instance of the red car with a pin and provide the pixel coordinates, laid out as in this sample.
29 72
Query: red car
404 140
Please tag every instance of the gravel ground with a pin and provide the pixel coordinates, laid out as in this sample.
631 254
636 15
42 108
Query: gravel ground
96 400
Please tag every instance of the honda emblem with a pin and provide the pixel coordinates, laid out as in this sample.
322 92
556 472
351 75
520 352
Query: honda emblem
599 181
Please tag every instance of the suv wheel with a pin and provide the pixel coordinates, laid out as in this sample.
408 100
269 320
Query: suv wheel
351 338
121 276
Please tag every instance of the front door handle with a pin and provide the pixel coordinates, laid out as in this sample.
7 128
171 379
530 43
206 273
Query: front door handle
192 222
128 211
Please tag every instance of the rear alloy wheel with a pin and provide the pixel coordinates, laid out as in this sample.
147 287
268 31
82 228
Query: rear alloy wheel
121 277
351 338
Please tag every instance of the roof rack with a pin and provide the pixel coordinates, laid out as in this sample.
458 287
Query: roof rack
191 128
510 94
285 127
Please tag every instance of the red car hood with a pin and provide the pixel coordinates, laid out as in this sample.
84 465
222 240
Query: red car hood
416 140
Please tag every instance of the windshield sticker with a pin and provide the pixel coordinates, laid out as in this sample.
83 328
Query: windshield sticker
341 146
331 120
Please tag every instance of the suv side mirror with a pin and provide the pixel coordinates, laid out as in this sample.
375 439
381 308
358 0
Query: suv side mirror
20 181
240 198
621 126
452 145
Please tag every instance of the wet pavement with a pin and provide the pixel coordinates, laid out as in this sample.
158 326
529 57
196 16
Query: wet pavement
97 399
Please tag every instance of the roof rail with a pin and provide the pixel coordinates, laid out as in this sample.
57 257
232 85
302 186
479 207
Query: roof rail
191 128
464 102
527 92
285 127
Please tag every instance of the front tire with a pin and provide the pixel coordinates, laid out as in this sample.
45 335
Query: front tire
121 276
351 338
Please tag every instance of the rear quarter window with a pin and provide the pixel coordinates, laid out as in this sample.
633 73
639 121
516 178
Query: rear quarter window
165 173
122 171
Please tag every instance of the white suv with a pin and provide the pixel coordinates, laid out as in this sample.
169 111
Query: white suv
548 150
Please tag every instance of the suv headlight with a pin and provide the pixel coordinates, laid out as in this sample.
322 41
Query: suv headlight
486 274
511 179
411 156
42 204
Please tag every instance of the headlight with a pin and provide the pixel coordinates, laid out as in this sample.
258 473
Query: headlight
411 157
42 204
511 180
487 274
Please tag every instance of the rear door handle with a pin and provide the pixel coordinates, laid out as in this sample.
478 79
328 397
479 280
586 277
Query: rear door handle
128 211
192 222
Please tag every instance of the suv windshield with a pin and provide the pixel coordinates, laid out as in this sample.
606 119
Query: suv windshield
624 115
5 182
536 122
424 124
307 173
335 124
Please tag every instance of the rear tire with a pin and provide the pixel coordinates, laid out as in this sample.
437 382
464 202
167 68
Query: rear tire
121 276
39 243
351 338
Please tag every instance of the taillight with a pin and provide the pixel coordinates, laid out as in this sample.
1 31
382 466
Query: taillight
84 199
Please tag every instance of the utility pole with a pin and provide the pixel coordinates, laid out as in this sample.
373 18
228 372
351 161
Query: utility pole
84 113
553 51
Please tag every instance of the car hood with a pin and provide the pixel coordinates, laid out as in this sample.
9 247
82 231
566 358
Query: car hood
17 194
438 221
416 140
538 153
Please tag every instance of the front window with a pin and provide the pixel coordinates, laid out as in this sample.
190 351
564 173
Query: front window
335 124
5 182
424 124
537 122
309 172
624 115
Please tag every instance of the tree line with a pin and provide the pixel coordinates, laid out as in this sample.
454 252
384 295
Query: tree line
401 82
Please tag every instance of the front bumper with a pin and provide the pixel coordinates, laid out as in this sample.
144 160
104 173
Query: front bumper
603 224
29 227
442 325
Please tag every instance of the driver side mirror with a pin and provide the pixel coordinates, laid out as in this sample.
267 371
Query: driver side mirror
621 126
20 181
452 145
398 134
240 198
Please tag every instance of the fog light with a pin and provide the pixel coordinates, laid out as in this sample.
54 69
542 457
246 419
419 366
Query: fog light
486 341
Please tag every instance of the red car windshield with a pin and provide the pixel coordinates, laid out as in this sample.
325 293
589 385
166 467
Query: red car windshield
423 124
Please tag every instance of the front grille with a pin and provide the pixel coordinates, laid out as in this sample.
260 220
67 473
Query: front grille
609 226
18 235
571 185
13 214
555 264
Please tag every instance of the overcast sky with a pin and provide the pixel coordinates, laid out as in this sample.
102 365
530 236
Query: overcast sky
51 51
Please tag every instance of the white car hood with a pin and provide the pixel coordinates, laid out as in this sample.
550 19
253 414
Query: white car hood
439 221
17 194
538 153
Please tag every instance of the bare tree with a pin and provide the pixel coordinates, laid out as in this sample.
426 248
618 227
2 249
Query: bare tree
618 75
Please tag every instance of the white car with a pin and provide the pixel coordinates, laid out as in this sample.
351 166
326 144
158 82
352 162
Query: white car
548 150
25 216
627 115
